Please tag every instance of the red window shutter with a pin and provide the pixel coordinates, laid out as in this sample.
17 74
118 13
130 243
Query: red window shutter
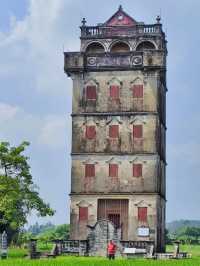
113 170
114 131
142 214
83 213
137 131
137 170
89 170
91 93
90 132
114 92
138 91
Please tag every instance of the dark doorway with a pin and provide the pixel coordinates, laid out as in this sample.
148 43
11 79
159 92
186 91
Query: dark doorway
115 219
115 210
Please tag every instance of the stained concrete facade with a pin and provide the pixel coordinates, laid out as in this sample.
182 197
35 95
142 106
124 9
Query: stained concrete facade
128 56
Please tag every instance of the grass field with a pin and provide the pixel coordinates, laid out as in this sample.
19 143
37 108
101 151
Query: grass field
16 258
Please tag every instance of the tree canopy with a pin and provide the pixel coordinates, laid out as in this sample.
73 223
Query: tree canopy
18 193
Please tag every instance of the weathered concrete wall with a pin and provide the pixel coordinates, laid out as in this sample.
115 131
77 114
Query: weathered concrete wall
125 79
102 70
125 182
160 236
125 143
80 230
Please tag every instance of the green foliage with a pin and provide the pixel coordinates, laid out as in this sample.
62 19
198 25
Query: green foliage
47 233
91 261
188 233
59 232
18 193
175 225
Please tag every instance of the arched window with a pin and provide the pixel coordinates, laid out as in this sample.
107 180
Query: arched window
146 45
95 47
120 47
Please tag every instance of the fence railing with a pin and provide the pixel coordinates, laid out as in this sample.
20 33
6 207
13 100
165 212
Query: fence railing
101 31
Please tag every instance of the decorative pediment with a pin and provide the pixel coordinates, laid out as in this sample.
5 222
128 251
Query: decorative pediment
137 120
90 121
114 81
137 160
114 120
91 82
142 203
83 203
120 18
90 161
113 160
137 81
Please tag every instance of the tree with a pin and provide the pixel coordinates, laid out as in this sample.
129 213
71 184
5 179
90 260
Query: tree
18 194
188 233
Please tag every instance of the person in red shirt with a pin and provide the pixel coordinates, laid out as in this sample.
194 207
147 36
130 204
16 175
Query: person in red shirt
111 250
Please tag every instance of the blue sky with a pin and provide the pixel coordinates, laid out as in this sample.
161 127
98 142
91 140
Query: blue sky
35 99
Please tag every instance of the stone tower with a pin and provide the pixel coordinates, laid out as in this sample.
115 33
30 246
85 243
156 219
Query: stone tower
118 129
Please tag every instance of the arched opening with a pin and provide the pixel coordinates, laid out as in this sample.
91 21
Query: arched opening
120 47
95 47
146 45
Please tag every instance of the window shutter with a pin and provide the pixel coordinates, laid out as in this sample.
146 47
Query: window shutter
114 92
90 132
83 213
91 93
89 170
137 131
137 91
113 170
114 131
137 170
142 214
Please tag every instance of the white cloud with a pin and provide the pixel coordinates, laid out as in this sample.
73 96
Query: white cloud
53 132
7 112
35 47
47 131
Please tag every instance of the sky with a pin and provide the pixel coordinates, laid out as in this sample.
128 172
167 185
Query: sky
35 94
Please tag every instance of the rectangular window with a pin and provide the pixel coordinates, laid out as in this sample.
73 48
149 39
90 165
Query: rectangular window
137 91
90 132
114 92
89 170
114 131
113 170
142 214
83 213
91 93
137 170
137 131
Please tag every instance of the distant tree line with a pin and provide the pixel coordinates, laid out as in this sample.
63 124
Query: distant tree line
186 235
45 233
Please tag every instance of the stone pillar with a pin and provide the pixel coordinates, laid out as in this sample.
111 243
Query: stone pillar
4 245
33 249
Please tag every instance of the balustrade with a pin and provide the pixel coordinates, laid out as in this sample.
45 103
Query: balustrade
101 31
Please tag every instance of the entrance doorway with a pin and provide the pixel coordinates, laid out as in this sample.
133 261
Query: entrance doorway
115 219
116 211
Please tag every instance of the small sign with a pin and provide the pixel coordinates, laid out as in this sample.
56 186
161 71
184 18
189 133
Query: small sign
143 231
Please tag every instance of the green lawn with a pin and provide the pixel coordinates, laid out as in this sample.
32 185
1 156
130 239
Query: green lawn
16 258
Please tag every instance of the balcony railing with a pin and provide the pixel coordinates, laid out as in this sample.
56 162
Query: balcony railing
101 31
